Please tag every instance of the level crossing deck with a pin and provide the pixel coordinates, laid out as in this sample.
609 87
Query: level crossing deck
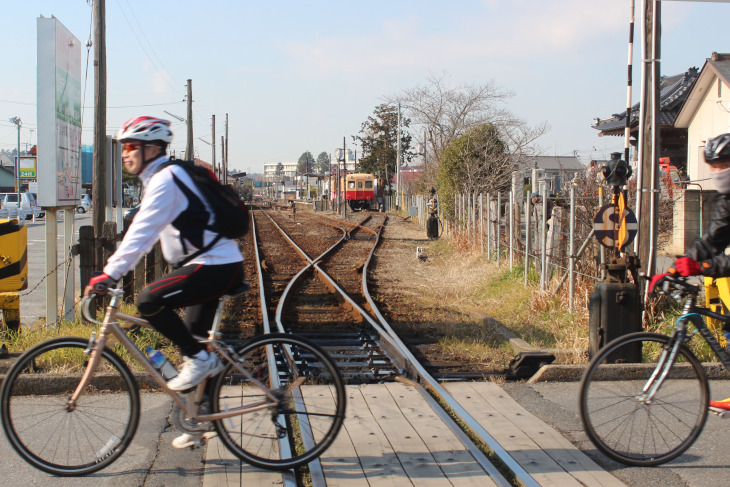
391 436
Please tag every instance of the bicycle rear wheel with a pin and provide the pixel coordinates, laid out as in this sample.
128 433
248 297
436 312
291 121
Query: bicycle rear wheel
621 422
38 422
311 402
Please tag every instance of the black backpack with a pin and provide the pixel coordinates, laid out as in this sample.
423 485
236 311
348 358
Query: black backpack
231 214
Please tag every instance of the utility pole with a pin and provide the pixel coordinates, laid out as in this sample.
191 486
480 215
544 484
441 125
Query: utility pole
189 149
649 137
212 146
223 159
344 194
99 156
225 166
397 166
17 121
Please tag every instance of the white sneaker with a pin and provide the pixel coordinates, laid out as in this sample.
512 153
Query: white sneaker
186 440
194 371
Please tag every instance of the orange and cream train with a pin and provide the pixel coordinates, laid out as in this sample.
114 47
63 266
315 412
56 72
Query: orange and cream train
359 190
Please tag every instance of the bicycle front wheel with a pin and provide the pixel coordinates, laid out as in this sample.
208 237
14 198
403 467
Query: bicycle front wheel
311 402
619 416
45 431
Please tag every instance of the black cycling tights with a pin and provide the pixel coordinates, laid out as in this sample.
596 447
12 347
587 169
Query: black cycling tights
194 287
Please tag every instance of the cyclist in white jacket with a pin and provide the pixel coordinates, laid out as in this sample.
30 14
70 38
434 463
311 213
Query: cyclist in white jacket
174 212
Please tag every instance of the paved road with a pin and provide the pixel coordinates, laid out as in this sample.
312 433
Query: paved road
705 464
33 299
149 461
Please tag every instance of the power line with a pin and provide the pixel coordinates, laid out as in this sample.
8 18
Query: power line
167 71
143 48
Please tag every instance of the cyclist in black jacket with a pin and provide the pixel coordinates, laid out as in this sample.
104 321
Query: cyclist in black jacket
707 255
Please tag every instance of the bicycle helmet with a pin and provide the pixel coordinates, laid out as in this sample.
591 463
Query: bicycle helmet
718 149
146 129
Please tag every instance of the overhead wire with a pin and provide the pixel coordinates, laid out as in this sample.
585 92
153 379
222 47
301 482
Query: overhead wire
164 78
167 71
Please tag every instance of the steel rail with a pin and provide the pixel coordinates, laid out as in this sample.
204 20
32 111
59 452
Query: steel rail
419 373
414 369
323 275
288 478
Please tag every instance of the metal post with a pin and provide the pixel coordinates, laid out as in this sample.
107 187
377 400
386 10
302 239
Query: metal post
543 235
527 238
489 226
571 251
511 230
602 250
472 202
481 222
498 232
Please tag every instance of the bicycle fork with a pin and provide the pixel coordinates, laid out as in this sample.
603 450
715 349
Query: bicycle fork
94 351
663 366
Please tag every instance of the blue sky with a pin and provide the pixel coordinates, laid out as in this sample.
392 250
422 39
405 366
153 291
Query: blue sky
296 76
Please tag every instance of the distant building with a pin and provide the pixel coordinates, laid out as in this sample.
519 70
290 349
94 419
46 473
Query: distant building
705 115
289 170
348 165
674 92
557 171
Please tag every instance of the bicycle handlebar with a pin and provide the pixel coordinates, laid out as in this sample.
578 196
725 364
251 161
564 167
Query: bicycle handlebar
677 285
86 304
85 311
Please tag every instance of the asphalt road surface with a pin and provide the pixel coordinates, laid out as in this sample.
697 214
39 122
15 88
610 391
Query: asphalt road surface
33 299
150 460
705 464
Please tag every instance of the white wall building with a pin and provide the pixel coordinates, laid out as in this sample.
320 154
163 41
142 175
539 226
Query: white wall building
705 114
289 170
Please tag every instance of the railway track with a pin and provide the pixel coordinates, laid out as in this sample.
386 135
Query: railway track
314 283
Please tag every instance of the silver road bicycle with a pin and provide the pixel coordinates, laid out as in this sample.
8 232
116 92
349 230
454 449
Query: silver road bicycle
71 406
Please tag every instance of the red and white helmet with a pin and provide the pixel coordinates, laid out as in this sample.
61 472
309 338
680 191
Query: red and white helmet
146 129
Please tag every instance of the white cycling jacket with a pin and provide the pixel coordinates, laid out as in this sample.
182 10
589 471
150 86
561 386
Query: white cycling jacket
175 213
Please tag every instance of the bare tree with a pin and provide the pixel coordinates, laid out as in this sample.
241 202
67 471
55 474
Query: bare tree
447 111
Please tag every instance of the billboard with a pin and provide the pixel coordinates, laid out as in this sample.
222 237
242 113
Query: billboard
59 115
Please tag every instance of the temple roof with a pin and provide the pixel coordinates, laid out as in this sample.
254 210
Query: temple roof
674 92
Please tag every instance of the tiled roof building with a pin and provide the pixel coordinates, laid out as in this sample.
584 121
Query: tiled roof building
674 92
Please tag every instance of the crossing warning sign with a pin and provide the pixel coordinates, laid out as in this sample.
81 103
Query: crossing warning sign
615 228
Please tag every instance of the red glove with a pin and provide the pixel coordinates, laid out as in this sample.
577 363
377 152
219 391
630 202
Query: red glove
99 285
657 281
686 266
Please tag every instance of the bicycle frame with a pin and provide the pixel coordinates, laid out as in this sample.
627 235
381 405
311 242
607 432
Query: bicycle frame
693 314
110 325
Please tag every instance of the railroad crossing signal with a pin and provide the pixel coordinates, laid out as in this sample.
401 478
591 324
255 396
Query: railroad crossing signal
615 228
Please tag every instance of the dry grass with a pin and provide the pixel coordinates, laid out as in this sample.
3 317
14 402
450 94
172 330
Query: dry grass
27 337
468 287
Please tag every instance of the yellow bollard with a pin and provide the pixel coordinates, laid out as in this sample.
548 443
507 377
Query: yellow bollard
10 305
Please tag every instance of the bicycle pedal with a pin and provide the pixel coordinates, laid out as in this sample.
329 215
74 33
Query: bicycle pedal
722 413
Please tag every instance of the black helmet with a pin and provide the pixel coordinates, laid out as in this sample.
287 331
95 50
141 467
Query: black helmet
718 149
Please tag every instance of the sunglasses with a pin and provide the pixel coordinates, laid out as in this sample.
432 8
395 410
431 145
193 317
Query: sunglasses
128 147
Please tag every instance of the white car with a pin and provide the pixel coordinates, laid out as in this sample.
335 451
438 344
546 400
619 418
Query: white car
84 204
28 204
